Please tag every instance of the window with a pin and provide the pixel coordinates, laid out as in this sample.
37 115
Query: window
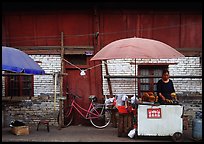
77 59
149 84
19 85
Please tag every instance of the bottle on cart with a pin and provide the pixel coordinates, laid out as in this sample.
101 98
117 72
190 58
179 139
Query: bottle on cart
197 126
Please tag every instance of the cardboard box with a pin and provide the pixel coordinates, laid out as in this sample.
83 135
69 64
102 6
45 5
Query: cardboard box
20 130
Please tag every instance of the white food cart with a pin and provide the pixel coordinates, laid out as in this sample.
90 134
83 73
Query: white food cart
160 120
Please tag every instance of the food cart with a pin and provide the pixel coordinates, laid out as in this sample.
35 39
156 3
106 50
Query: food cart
160 120
149 121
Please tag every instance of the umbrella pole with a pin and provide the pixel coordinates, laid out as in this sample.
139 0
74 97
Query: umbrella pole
135 114
135 80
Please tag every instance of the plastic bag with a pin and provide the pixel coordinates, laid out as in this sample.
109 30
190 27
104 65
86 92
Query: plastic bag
131 133
17 123
134 99
121 99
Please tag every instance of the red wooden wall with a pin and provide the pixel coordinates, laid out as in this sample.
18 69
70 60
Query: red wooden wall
43 29
178 29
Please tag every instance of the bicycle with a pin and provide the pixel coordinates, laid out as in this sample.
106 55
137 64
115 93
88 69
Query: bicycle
98 114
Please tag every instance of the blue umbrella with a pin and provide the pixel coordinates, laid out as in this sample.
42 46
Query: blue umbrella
17 61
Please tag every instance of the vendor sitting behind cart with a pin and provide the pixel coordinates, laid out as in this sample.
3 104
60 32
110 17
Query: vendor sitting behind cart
165 88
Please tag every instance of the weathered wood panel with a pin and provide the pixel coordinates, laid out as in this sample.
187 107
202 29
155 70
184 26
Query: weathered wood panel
44 29
180 30
112 26
47 29
125 124
191 31
166 28
20 29
77 27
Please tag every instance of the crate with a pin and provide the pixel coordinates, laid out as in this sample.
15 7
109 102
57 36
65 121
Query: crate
20 130
114 118
185 122
125 124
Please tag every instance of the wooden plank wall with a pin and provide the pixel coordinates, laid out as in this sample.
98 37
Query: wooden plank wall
178 29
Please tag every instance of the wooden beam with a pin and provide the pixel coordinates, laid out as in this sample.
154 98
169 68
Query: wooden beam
190 51
158 64
56 49
150 76
15 98
21 74
52 47
82 49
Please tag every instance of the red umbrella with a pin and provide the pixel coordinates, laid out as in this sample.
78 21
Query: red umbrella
136 48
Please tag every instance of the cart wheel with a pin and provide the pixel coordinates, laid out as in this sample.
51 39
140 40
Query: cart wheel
177 136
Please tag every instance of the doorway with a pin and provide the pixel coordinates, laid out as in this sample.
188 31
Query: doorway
77 84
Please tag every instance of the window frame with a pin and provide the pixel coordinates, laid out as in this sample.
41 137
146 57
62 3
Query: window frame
151 68
82 66
21 85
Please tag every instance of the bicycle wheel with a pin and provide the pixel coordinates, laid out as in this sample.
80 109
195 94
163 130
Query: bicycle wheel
103 119
68 116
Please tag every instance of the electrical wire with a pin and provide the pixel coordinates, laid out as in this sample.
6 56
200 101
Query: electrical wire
84 70
91 34
72 64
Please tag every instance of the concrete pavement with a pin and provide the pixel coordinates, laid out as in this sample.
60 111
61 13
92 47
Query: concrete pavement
82 134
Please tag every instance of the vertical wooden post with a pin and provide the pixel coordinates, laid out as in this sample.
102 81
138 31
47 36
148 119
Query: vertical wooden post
108 79
61 120
114 112
96 73
55 88
138 26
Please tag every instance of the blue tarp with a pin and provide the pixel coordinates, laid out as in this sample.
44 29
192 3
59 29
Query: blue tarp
17 61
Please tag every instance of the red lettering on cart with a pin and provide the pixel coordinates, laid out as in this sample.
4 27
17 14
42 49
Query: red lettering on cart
154 113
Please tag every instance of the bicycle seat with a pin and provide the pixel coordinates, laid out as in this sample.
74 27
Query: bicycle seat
93 98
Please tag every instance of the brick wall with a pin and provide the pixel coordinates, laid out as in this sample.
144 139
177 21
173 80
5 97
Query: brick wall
188 66
3 85
192 103
119 85
45 83
42 104
189 90
30 111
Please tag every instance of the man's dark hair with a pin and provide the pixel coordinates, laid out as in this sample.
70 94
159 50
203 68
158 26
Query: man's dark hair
165 71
